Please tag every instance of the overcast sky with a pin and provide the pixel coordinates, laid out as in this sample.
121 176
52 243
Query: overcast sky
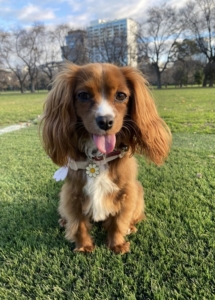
77 13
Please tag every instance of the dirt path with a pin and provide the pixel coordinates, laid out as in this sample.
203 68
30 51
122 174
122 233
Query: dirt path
12 128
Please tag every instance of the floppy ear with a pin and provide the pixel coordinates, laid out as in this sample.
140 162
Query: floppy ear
152 137
59 119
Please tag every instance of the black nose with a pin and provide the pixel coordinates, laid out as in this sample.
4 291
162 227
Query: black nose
104 122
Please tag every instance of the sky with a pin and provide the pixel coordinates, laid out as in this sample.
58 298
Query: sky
76 13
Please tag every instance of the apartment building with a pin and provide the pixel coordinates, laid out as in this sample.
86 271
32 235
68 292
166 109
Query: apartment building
76 47
113 41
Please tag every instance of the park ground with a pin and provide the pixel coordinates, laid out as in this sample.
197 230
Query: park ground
172 254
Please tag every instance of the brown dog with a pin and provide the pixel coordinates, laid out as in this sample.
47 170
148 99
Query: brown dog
96 117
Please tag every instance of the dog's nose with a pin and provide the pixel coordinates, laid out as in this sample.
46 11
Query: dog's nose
105 122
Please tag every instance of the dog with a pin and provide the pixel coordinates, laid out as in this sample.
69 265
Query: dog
96 117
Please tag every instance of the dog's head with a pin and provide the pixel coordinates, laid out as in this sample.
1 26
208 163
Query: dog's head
107 104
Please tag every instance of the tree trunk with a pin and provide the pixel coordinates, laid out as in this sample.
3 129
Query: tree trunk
21 88
21 85
211 82
204 84
32 86
158 79
158 74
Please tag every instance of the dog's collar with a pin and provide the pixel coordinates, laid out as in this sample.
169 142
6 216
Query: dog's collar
106 156
91 165
99 161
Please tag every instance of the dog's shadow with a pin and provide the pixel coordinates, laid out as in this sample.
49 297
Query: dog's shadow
34 223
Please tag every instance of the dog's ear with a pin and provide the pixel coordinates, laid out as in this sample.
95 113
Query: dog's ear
59 118
152 136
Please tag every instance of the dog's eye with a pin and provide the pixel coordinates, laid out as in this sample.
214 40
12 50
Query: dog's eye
84 96
120 96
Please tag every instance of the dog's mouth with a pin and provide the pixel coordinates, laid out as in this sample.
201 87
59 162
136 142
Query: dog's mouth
105 143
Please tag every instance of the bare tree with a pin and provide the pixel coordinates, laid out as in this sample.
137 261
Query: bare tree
50 68
157 38
70 42
57 36
199 20
9 58
29 50
50 57
4 79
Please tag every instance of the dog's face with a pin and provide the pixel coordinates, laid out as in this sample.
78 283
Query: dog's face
101 102
109 104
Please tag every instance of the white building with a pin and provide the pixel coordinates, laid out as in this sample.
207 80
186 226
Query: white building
113 41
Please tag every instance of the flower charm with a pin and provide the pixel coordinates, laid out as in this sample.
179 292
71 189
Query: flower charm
92 170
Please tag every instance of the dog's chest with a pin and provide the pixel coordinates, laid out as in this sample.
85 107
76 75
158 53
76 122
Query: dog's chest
100 191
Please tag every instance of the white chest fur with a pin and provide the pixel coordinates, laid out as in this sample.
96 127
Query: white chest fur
98 189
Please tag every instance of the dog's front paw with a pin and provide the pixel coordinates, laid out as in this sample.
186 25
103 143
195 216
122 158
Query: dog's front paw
131 229
121 249
85 249
62 222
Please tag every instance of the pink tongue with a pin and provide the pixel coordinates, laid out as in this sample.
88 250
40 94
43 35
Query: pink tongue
105 143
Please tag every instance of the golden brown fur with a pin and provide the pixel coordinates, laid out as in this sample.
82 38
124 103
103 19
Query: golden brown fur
68 125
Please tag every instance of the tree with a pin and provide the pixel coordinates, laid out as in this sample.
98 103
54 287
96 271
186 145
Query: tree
198 77
186 50
187 62
50 58
209 73
71 43
4 79
57 37
179 75
28 45
157 38
49 69
9 58
199 20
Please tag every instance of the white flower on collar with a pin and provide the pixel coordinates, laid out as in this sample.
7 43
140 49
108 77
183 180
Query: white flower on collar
92 170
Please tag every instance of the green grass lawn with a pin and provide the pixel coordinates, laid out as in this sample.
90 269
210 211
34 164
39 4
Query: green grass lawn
17 107
185 110
172 254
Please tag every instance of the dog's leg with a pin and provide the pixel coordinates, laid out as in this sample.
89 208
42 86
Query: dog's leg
77 226
131 212
83 241
117 228
78 231
138 214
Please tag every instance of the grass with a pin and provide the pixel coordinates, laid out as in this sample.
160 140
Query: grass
172 255
18 108
185 110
